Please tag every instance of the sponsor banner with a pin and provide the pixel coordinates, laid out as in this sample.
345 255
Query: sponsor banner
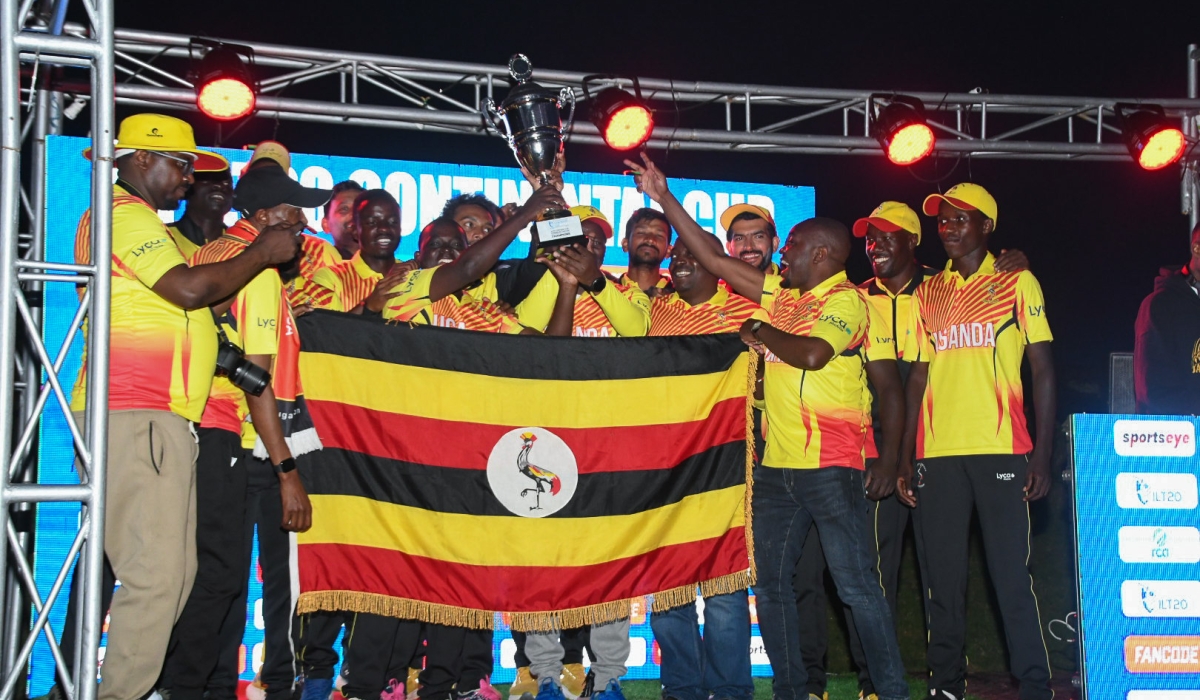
1145 490
1154 438
1160 598
1164 694
1159 545
1165 654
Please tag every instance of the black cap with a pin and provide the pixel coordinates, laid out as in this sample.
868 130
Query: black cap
267 187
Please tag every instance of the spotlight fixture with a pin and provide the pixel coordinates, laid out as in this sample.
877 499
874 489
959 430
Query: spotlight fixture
225 86
902 131
624 121
1151 139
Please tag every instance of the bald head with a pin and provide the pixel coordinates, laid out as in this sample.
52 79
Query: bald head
816 250
827 233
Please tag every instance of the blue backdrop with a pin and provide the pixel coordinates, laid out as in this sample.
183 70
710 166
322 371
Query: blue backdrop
422 189
1138 552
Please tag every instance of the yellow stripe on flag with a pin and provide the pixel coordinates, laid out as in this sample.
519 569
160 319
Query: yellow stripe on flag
474 398
517 541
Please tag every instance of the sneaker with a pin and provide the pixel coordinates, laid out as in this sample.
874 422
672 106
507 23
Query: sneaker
861 696
485 691
393 691
611 692
549 690
573 680
522 684
589 685
940 694
317 689
414 683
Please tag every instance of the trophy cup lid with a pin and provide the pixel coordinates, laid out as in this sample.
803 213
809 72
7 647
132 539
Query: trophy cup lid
521 70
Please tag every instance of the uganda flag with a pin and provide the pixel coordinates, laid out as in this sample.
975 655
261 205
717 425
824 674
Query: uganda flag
550 479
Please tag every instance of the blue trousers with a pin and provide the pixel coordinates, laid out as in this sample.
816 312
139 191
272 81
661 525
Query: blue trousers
717 663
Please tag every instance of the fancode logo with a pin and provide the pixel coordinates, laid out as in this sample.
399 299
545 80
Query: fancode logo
1144 491
1154 438
1160 598
1162 654
1159 545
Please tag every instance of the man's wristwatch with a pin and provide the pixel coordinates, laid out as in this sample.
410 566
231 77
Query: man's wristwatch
754 328
598 284
287 465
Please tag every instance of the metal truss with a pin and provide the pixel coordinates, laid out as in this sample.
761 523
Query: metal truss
342 87
32 44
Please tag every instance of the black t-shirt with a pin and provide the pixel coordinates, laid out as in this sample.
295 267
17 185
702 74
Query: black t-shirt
515 279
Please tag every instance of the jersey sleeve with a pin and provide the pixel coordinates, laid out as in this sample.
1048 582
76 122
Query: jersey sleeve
537 307
771 286
412 295
843 320
627 309
878 343
917 347
325 291
257 312
1031 310
142 247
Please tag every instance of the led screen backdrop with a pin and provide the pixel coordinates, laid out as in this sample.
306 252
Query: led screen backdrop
422 189
1138 552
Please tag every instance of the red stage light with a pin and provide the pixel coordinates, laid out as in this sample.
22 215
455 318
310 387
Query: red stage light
225 86
1151 139
1162 149
225 99
629 127
901 130
910 144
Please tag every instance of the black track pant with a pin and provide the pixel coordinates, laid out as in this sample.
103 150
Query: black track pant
378 650
220 510
315 637
108 582
948 489
456 658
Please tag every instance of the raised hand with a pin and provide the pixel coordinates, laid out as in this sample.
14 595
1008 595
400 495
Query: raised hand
649 179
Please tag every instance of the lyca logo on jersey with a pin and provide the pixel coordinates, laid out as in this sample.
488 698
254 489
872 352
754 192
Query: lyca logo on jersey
965 335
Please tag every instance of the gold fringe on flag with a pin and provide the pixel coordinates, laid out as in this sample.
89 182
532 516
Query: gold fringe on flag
686 595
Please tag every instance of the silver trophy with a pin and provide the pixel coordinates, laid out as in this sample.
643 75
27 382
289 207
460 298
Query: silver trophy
530 121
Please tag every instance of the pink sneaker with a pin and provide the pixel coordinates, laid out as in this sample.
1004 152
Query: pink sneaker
484 692
394 691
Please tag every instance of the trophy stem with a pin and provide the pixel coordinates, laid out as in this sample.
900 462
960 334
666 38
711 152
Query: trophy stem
551 213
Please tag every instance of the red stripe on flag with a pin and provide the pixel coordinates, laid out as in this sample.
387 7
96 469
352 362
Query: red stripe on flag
423 440
333 567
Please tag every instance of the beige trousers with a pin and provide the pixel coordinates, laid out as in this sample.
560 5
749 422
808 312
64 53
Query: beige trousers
150 540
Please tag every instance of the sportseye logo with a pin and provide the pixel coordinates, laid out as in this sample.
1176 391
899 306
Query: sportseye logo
1141 491
1154 438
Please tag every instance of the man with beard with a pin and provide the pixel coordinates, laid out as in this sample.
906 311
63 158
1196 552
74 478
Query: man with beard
338 221
648 241
817 348
208 201
750 235
163 349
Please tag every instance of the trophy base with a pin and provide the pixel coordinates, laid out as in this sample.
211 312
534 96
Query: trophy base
559 227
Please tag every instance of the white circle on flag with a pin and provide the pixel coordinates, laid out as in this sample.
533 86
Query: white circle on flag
532 472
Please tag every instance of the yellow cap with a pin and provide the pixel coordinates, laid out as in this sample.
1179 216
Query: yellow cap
728 215
965 196
158 132
890 217
585 213
275 151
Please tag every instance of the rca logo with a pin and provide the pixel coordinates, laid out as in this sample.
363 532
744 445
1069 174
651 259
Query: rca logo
1159 545
1154 438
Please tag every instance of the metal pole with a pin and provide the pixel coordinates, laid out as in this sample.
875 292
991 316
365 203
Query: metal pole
10 186
103 135
1190 185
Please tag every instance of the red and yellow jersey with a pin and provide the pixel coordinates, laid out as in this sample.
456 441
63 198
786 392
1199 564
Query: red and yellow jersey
315 254
343 286
820 418
973 334
161 357
252 323
470 312
663 284
618 310
723 313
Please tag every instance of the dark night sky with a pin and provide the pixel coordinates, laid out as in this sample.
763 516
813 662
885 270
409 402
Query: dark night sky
1096 233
